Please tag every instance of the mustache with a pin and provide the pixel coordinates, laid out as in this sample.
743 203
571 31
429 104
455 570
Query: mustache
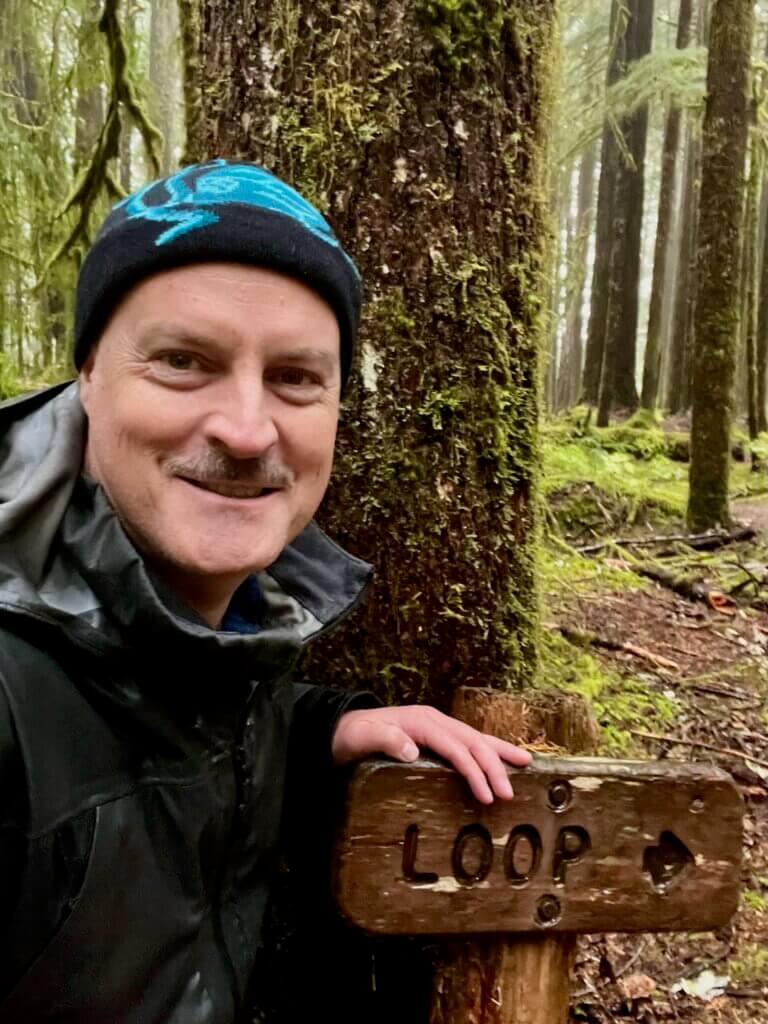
210 467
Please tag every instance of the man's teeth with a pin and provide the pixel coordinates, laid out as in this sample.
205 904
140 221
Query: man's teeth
231 490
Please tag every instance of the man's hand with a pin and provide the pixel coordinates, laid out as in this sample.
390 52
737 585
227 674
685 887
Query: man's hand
398 733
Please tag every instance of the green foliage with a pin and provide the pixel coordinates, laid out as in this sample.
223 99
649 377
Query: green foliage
753 900
619 704
71 90
751 967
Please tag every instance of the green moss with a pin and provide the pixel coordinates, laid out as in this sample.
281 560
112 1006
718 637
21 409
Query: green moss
619 704
753 900
751 967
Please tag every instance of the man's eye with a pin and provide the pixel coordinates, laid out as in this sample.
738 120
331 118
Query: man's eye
178 360
294 376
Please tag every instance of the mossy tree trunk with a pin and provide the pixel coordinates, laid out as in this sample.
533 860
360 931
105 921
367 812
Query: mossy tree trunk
163 75
667 198
632 167
609 165
420 128
717 313
750 278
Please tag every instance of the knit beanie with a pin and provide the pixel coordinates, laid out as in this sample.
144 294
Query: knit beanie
220 210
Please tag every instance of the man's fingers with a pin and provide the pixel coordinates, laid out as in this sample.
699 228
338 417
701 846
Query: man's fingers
464 761
367 735
509 752
494 768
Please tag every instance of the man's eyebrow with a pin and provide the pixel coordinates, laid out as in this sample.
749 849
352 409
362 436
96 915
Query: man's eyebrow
173 332
310 355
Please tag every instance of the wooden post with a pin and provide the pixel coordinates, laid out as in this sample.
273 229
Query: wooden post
502 980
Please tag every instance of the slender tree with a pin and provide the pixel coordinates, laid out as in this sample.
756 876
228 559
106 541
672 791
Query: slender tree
717 313
621 372
667 199
164 68
609 162
569 376
750 275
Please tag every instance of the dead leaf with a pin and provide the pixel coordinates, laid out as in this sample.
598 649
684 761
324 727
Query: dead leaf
720 603
637 986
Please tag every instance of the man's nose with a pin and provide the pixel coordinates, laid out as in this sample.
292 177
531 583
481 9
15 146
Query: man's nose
243 422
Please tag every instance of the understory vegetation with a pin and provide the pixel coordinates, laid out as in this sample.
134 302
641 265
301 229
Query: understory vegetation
665 635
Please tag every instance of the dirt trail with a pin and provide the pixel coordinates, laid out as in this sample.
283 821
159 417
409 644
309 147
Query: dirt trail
712 670
753 512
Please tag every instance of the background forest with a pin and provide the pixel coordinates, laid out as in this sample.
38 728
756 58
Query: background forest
608 373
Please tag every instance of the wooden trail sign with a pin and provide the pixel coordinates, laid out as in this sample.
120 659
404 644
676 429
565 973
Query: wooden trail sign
587 845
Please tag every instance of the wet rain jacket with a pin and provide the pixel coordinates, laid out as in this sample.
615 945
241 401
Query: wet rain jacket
142 755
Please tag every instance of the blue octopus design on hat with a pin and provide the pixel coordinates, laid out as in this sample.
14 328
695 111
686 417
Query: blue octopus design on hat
194 193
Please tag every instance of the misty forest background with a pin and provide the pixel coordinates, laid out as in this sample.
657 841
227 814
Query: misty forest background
559 425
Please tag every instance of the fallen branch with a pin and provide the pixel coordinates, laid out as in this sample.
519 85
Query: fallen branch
726 751
584 639
694 590
709 541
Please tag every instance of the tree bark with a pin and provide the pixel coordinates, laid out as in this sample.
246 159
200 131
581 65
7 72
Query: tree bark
609 163
163 75
569 375
750 280
678 365
667 197
424 140
761 357
724 142
635 129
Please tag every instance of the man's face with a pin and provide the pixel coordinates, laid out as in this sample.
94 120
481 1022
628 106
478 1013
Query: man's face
212 400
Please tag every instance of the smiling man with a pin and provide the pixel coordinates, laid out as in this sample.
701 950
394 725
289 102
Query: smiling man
160 573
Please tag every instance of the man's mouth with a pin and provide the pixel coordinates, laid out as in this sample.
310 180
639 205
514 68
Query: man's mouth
229 488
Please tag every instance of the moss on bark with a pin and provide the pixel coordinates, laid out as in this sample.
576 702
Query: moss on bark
719 247
421 133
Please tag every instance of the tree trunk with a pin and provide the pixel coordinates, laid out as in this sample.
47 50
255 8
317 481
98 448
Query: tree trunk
667 197
163 75
761 356
424 138
621 369
750 281
724 142
609 163
573 356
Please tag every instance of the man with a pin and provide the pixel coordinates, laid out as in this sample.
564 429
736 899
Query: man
159 575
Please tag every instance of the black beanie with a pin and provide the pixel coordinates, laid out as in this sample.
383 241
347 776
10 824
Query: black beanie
220 210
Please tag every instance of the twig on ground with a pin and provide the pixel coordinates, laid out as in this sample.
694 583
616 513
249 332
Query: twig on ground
582 639
699 541
680 742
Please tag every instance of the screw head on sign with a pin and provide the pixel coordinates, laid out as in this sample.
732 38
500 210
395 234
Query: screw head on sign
548 911
697 805
559 795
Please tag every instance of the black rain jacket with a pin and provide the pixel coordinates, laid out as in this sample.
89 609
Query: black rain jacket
142 755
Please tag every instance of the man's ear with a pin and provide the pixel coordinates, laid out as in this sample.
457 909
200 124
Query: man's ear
86 378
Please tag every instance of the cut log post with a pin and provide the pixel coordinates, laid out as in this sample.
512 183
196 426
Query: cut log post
521 980
587 845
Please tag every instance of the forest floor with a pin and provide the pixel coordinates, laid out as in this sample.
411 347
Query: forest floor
669 676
